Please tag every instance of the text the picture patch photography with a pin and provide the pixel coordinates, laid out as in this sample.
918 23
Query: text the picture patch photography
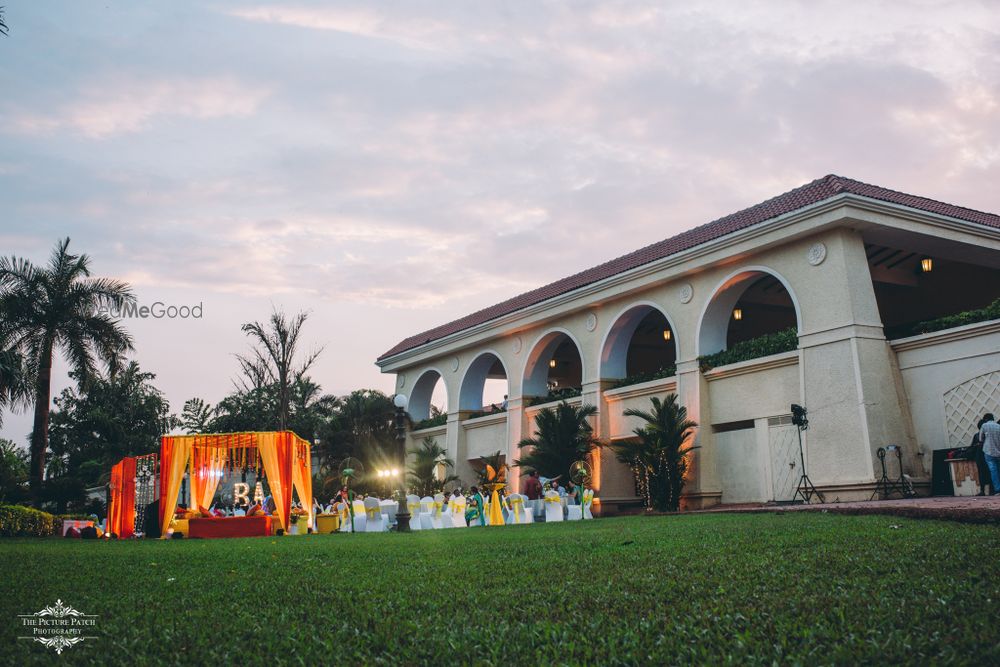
58 627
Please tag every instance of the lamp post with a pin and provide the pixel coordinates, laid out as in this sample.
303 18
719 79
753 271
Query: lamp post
402 513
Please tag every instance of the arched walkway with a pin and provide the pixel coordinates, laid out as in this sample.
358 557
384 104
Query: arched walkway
485 383
750 303
554 362
428 387
640 341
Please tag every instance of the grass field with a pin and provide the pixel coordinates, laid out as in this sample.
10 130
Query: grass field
801 588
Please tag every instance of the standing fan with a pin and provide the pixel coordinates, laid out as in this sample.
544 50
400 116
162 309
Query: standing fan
580 473
351 469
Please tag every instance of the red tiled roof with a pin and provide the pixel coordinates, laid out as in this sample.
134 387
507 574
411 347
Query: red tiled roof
801 197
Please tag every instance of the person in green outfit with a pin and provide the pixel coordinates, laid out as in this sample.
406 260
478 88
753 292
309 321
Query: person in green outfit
476 508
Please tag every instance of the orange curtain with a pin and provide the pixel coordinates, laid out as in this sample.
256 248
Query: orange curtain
115 504
174 454
206 473
276 454
302 475
127 514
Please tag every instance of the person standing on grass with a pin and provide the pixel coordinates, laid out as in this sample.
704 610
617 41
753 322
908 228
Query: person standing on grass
989 435
533 486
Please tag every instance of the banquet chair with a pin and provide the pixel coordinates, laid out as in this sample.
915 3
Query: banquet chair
374 522
388 508
553 506
574 512
456 512
438 516
345 517
518 513
588 502
360 518
427 513
413 507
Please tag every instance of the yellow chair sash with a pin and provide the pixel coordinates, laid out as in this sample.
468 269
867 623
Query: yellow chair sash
437 508
372 513
412 507
456 508
553 499
517 506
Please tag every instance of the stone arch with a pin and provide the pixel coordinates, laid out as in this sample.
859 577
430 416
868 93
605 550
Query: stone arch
619 336
419 405
717 314
545 348
483 367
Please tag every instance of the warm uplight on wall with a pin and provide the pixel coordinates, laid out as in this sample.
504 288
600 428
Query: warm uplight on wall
552 363
927 264
737 314
667 335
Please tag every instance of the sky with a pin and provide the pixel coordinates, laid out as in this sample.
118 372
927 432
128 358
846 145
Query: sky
393 166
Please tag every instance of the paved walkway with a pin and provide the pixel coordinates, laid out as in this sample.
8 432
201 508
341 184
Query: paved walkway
972 509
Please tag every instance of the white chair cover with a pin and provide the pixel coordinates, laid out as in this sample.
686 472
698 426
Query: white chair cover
588 502
519 511
389 508
374 522
553 506
427 513
413 507
360 518
456 512
345 517
438 518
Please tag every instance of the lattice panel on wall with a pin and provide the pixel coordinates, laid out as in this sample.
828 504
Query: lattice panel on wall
966 404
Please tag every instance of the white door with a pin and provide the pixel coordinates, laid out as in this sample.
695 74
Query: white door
784 446
740 472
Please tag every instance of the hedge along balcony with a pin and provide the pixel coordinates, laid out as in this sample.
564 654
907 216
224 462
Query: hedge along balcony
990 312
555 395
440 420
761 346
636 378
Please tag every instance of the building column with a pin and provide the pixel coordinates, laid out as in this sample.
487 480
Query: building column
702 487
515 430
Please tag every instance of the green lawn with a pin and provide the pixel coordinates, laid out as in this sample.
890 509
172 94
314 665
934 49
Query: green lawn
801 588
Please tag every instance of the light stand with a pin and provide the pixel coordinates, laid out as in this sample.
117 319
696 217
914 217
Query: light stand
885 486
806 489
403 511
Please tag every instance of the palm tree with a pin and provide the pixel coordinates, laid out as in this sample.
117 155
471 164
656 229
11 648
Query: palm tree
15 379
563 434
658 455
60 307
196 416
422 473
273 357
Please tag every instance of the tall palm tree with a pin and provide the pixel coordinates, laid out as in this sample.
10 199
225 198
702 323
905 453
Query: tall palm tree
60 307
273 357
424 463
15 379
658 455
563 435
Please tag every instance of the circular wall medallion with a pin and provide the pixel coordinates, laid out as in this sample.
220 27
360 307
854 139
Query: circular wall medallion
516 344
816 254
591 322
454 364
401 381
685 293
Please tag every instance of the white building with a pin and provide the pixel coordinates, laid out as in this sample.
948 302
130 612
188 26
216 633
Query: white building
839 261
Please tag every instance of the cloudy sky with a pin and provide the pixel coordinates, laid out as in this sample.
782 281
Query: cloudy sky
392 166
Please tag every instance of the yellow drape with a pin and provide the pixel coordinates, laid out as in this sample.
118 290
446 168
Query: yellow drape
177 461
496 511
302 476
274 454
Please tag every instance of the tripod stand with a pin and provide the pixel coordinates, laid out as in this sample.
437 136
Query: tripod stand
885 486
806 489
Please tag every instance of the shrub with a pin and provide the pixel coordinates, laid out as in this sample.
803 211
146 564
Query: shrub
636 378
761 346
555 395
440 420
990 312
18 521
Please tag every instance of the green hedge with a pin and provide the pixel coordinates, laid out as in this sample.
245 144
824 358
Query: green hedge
990 312
440 420
636 378
555 395
18 521
761 346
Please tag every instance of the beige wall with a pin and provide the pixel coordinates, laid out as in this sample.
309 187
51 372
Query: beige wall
845 372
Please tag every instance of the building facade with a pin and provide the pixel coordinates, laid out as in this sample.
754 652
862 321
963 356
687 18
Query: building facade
815 297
